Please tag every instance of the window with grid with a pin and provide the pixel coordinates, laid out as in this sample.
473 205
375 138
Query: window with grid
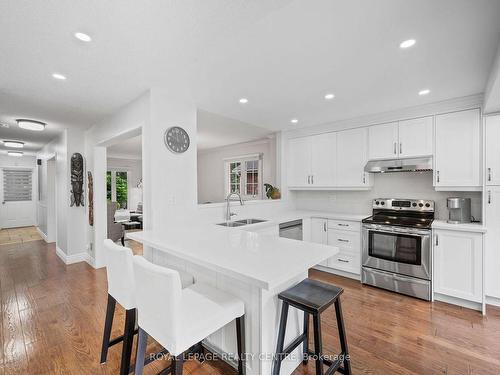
243 176
17 185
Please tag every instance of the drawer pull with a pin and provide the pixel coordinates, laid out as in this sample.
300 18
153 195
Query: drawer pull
342 240
342 225
342 260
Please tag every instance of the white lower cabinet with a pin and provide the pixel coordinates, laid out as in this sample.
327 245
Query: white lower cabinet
458 264
344 234
492 242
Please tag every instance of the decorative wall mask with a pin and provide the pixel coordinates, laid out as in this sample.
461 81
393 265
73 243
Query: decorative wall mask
91 198
76 180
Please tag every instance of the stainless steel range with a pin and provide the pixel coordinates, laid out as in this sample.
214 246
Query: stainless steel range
397 246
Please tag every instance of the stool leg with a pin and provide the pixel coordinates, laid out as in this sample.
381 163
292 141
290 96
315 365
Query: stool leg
177 364
240 334
142 343
281 339
305 346
318 344
108 324
343 338
128 338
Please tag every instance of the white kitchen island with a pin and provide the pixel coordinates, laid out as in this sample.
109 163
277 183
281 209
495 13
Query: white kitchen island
252 266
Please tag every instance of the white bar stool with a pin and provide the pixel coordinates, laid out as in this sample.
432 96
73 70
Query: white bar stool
121 289
179 318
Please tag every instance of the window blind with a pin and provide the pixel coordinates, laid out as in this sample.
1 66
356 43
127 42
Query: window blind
16 185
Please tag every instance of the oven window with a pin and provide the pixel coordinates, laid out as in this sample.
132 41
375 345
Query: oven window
396 247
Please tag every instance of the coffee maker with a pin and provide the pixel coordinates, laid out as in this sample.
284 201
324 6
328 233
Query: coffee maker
459 210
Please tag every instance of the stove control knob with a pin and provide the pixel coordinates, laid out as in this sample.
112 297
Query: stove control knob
427 205
377 203
382 203
414 204
420 205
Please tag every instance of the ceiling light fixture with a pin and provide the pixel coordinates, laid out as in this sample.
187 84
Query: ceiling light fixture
15 153
329 96
59 76
294 121
407 43
424 92
31 125
4 125
83 37
13 144
243 100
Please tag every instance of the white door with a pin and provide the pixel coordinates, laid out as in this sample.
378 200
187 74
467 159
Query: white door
383 141
18 203
319 233
492 150
351 158
299 162
457 156
458 264
323 159
492 243
415 137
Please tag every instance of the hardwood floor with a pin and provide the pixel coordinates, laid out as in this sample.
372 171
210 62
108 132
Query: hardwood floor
53 315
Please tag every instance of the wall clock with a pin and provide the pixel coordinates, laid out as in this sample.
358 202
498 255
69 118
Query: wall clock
176 139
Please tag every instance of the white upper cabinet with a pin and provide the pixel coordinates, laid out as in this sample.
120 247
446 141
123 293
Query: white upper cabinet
457 156
492 150
299 162
323 159
415 137
383 141
352 158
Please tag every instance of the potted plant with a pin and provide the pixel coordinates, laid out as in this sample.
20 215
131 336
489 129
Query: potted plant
272 192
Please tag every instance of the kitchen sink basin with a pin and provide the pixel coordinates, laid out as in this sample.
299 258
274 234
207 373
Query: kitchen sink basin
250 221
231 224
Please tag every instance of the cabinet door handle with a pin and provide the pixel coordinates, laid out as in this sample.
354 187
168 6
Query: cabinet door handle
309 179
364 178
342 240
489 174
395 148
489 196
342 260
312 179
437 176
324 226
437 240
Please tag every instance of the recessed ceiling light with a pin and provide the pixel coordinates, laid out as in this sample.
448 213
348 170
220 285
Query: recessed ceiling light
31 125
13 144
329 96
15 153
59 76
294 121
407 43
243 100
83 37
424 92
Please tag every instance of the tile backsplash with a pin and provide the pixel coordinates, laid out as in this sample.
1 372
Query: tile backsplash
416 185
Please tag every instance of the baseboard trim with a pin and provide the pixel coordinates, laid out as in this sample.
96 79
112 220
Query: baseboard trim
70 259
43 235
337 272
458 301
495 301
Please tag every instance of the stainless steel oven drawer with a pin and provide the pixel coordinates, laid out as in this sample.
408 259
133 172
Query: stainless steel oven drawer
401 284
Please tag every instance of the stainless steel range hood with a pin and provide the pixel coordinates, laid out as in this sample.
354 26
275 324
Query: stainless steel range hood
399 165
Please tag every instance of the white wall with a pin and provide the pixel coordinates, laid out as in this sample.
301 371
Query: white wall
388 185
211 167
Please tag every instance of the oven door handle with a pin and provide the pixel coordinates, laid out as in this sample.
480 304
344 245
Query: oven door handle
414 234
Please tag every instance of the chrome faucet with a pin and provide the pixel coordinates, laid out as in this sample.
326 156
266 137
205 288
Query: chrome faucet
229 214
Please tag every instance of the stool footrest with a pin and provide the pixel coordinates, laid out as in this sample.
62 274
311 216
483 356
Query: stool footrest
118 339
289 349
332 365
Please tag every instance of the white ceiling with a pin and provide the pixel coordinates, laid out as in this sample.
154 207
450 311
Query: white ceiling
127 149
283 55
217 131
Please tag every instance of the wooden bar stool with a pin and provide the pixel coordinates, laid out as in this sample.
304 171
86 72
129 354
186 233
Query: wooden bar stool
313 297
121 289
179 319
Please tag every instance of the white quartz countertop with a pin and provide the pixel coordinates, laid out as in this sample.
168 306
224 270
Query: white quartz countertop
468 227
262 260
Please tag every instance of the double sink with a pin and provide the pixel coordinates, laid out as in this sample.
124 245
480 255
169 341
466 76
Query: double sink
240 223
